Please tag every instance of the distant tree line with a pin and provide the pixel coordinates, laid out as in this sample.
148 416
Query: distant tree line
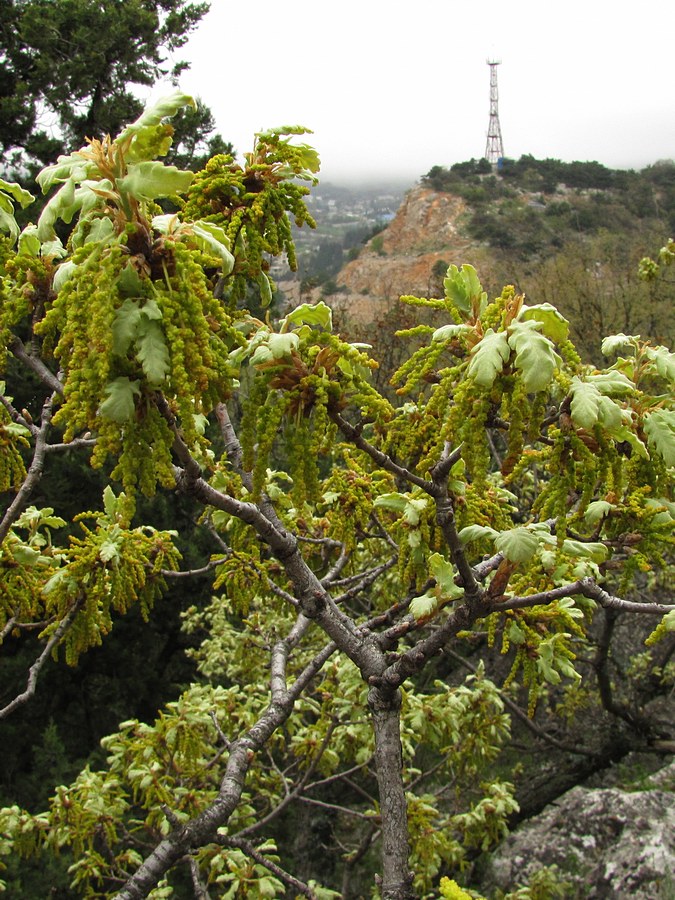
570 199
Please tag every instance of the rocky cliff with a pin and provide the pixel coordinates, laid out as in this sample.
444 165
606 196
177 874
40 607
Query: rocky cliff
427 229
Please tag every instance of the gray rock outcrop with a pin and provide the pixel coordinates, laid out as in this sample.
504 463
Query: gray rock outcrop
608 843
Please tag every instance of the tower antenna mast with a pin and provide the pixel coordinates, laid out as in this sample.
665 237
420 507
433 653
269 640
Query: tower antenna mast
494 148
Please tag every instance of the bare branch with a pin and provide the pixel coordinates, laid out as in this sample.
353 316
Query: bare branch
34 472
35 364
353 434
262 860
586 587
39 663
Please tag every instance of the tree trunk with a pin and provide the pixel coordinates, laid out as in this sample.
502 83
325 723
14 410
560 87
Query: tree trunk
385 707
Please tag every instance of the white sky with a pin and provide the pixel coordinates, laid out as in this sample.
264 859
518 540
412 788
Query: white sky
391 88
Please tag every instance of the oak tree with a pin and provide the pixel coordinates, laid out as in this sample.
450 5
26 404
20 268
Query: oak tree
509 496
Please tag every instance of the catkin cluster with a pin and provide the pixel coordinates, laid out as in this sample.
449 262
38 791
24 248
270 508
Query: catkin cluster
253 206
136 320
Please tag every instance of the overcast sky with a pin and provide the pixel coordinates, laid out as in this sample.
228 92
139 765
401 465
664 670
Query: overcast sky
392 88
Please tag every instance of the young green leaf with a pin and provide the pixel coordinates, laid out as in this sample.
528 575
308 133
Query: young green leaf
311 314
616 343
659 427
611 383
464 290
663 361
449 332
596 511
151 351
518 544
152 179
125 325
394 501
535 356
585 405
213 239
476 533
119 405
488 357
554 325
165 108
444 573
424 606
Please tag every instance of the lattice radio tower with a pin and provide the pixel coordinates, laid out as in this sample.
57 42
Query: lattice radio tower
494 148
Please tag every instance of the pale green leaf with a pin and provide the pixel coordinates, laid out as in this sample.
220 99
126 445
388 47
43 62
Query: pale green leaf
394 501
464 290
663 361
108 551
535 356
61 206
151 351
477 533
29 242
63 273
515 633
412 512
73 167
129 282
585 406
669 620
611 382
18 194
444 573
110 503
488 357
25 555
125 325
449 332
624 434
213 239
659 427
8 224
554 324
424 606
596 511
609 413
53 249
311 314
616 343
164 108
587 550
518 544
152 179
93 231
119 405
281 345
265 289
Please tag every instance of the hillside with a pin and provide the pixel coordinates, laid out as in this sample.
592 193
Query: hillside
576 242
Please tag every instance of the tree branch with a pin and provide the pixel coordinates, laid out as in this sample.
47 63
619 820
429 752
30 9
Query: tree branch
353 434
35 364
39 663
262 860
34 472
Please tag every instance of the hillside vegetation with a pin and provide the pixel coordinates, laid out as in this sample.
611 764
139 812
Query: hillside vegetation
573 234
577 198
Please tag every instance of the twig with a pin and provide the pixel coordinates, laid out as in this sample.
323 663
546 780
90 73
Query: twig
34 472
36 365
37 666
523 716
262 860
